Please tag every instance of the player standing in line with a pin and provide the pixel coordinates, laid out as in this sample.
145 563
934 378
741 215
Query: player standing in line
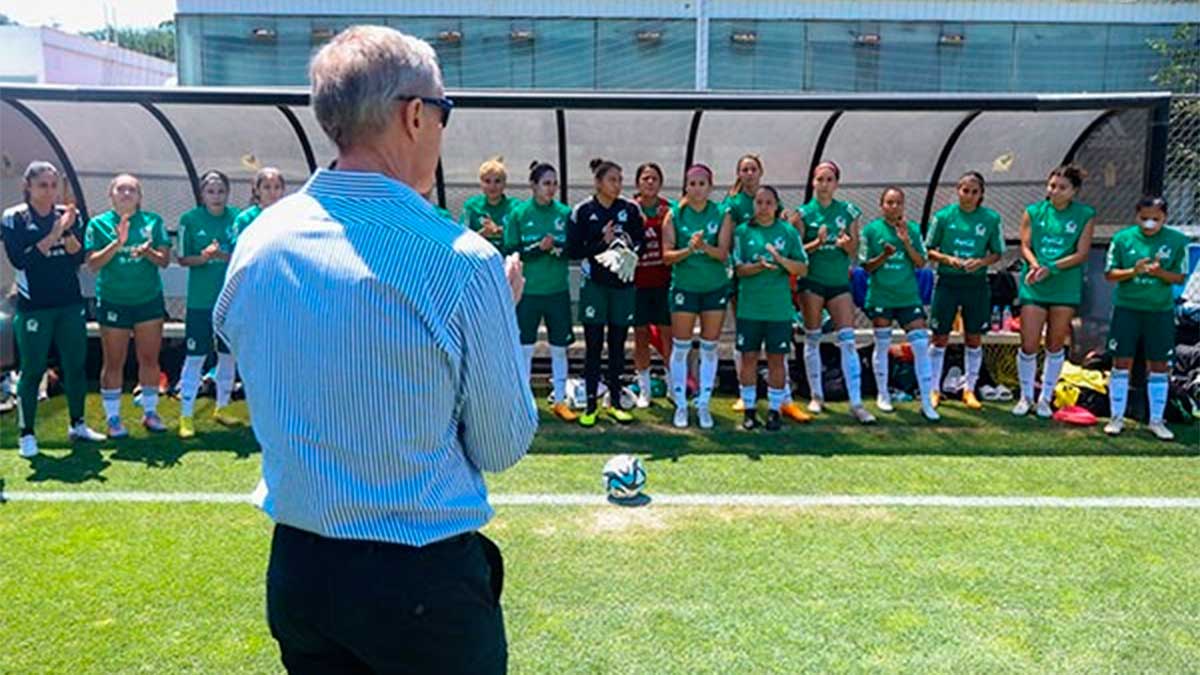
653 279
485 213
268 187
1144 261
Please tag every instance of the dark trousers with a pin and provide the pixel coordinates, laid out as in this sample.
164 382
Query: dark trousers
347 606
594 339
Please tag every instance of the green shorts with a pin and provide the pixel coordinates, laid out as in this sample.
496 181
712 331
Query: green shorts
901 315
554 309
698 303
826 292
652 307
1156 331
112 315
608 305
198 334
974 297
752 335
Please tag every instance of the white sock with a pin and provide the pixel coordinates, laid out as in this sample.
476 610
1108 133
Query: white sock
1026 371
919 339
226 369
850 367
1118 393
737 363
749 396
189 384
1157 385
812 363
111 399
775 398
527 350
937 359
879 358
149 400
1050 372
679 369
708 370
787 381
974 358
644 382
558 372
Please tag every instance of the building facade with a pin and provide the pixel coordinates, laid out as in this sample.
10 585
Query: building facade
38 55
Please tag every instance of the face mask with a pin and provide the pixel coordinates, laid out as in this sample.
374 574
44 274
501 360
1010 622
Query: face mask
1149 224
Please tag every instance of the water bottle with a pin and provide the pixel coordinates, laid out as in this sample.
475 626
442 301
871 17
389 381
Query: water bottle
996 318
1008 317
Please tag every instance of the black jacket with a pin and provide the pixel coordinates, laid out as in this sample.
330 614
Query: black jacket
585 235
43 281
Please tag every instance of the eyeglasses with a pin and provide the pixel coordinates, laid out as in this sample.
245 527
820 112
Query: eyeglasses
443 104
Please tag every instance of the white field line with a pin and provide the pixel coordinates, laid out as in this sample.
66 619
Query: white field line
759 501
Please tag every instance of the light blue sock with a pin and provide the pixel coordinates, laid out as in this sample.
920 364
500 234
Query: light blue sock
1157 385
749 396
1118 393
775 398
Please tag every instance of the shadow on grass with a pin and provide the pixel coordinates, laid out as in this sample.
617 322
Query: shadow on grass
83 464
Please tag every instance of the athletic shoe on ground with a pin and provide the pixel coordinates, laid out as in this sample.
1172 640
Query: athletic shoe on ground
619 415
187 428
1160 431
1044 410
863 415
116 429
643 400
1003 393
1115 426
1022 407
81 432
153 423
793 412
738 405
930 414
563 412
221 416
681 417
588 419
29 446
749 420
816 406
935 397
989 393
884 403
970 401
706 418
774 421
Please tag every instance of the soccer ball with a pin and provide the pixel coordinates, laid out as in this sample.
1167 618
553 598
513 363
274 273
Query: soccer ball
624 477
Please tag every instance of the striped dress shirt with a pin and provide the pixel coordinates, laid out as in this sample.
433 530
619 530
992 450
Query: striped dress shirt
378 346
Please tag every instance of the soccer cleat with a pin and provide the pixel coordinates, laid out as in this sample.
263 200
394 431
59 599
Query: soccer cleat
1044 410
816 406
705 417
220 416
1160 431
749 419
1022 407
738 405
81 432
153 423
935 398
116 429
619 415
795 413
588 418
29 446
563 412
681 417
884 403
970 401
930 414
1115 426
187 428
643 399
774 421
862 415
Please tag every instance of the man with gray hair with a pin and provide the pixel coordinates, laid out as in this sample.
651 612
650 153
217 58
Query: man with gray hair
372 471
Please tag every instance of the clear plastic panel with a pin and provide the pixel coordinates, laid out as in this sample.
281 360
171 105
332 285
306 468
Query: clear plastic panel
629 138
323 149
475 135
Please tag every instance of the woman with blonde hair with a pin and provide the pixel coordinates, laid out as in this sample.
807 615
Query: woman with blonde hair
486 212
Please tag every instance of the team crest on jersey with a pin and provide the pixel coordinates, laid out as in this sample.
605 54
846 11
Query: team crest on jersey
559 224
741 340
1071 227
840 222
590 312
779 242
980 229
191 344
679 298
622 216
31 325
112 316
713 227
1164 252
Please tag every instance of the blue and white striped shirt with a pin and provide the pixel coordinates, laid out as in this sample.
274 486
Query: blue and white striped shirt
378 346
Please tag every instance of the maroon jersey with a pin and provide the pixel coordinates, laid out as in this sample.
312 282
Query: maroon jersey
651 271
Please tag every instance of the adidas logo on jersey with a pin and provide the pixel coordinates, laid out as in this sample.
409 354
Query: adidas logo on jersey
594 217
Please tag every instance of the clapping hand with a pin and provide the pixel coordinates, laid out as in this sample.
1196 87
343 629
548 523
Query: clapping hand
123 230
488 227
697 241
888 249
1036 274
514 272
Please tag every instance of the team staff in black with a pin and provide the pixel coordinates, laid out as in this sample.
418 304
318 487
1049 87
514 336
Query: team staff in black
606 233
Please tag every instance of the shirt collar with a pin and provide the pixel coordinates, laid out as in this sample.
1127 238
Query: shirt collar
361 184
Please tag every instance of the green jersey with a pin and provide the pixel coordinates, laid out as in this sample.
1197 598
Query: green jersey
243 220
1055 234
766 296
524 228
127 280
829 264
475 208
740 206
197 229
894 283
698 273
955 232
1145 293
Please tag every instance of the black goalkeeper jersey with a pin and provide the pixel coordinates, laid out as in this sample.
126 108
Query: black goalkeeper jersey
585 235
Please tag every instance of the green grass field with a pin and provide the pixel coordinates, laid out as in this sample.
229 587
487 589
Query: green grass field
155 587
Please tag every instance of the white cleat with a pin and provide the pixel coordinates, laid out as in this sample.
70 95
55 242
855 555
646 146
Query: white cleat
816 406
706 418
82 432
29 446
1022 407
1115 426
863 415
681 417
884 403
643 400
1160 431
1044 410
